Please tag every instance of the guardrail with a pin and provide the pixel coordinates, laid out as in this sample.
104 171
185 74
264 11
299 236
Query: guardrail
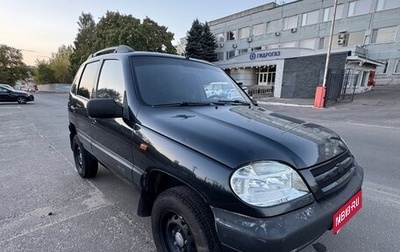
54 88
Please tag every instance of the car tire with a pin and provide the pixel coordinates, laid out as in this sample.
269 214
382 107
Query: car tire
181 221
21 100
85 164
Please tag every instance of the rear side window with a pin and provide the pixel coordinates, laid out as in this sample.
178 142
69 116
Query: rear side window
88 78
111 81
75 82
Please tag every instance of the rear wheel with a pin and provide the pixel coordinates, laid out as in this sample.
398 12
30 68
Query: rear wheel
85 164
21 100
182 222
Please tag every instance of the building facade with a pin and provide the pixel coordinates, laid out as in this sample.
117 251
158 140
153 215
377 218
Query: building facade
261 46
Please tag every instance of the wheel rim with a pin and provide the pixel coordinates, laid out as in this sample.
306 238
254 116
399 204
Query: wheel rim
176 233
78 157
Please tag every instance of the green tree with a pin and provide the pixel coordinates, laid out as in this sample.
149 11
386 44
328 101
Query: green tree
156 38
115 29
209 43
56 69
194 46
12 68
44 74
60 64
84 41
201 43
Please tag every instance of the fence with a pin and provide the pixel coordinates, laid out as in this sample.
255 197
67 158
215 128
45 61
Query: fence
340 86
259 91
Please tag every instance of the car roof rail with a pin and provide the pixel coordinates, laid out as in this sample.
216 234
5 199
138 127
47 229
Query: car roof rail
113 49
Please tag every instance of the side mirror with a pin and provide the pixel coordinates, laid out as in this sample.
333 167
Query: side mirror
104 108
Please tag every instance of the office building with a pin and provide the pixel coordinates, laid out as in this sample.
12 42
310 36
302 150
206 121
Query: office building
282 49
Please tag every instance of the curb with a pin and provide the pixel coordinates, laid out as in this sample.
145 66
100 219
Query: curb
285 104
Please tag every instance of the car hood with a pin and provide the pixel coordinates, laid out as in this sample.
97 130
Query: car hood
20 92
237 135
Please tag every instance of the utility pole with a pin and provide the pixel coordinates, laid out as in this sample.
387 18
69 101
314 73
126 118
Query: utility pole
321 91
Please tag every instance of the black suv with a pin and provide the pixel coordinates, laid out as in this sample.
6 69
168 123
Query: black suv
215 171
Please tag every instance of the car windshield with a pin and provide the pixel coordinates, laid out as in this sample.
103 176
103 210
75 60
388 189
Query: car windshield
171 81
7 86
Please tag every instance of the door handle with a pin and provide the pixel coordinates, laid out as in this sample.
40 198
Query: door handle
73 108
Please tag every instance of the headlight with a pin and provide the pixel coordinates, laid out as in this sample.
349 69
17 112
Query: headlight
267 183
333 147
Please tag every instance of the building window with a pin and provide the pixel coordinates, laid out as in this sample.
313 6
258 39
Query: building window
383 35
328 13
288 44
339 11
231 35
242 51
230 54
274 26
273 46
321 43
290 22
219 37
220 56
307 43
382 69
356 38
244 32
324 42
359 8
387 4
258 29
309 18
397 67
352 9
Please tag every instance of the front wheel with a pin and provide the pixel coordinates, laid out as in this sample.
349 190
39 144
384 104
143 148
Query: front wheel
85 164
182 222
21 100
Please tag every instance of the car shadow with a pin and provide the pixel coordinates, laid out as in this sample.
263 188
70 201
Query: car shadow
15 103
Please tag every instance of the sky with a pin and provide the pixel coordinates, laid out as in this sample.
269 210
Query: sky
39 27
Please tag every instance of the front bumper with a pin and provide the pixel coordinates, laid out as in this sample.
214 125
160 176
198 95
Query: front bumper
288 232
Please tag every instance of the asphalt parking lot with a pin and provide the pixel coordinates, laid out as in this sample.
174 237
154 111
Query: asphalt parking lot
46 206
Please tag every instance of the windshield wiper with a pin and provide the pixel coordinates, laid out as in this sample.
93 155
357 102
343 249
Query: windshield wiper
235 102
186 103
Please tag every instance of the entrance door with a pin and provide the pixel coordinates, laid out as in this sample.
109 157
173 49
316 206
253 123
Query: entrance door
266 80
266 75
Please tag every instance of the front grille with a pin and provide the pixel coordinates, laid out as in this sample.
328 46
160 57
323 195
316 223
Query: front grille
334 174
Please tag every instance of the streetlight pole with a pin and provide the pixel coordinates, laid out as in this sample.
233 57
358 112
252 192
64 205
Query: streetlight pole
330 44
321 90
